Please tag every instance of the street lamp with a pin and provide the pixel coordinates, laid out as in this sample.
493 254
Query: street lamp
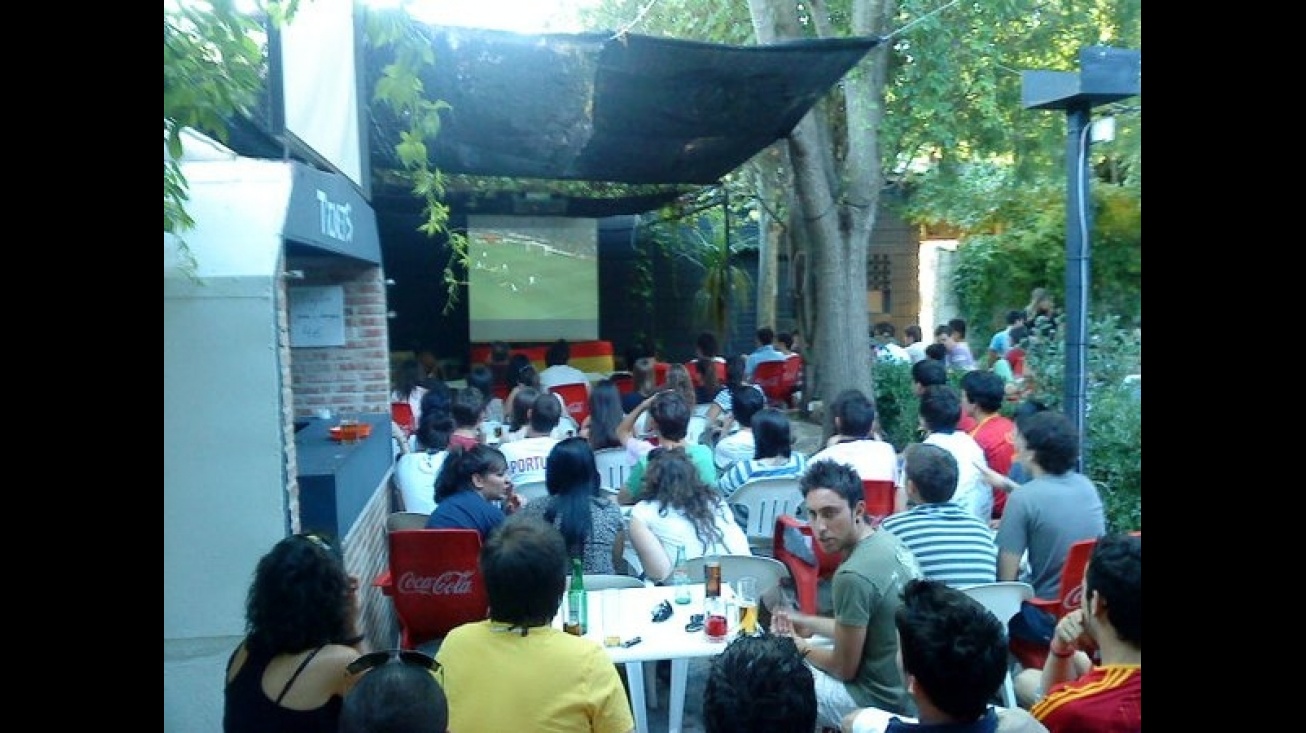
1106 75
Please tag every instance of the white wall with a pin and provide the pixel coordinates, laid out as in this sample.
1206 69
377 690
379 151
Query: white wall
938 301
224 484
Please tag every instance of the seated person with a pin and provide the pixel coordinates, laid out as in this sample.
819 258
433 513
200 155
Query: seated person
738 446
1079 695
772 456
397 693
953 655
669 416
555 681
759 683
677 508
860 669
471 485
557 372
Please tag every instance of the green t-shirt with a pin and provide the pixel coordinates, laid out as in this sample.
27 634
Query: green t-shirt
699 454
867 591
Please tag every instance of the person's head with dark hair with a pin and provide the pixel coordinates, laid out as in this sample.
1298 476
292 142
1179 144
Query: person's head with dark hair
736 370
500 353
836 504
1113 589
679 379
957 329
884 331
546 411
605 415
1015 316
953 650
852 413
644 375
1050 439
745 402
559 353
481 377
408 376
522 371
936 352
468 407
706 344
481 468
1018 335
931 473
525 565
705 373
519 412
759 683
765 335
396 697
786 341
940 408
572 478
670 413
941 333
983 389
1027 407
300 597
928 372
771 434
436 422
912 332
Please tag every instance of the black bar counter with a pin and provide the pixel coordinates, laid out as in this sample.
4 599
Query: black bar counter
336 480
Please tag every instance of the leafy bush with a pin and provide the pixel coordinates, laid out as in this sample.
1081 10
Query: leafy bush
1113 444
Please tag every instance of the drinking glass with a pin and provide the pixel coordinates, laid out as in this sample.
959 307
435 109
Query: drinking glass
746 598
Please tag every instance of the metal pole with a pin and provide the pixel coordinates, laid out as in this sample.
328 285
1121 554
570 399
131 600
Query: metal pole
1079 223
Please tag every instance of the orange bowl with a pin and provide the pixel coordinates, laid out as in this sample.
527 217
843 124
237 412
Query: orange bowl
350 433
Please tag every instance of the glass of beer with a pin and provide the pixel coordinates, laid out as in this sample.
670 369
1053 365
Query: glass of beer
746 598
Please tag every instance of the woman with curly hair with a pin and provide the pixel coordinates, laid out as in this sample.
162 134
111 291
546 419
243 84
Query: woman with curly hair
301 632
677 508
589 520
600 426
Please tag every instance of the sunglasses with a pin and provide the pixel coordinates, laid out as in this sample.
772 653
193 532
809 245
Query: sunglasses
404 656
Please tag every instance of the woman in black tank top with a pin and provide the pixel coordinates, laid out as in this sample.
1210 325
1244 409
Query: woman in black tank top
288 675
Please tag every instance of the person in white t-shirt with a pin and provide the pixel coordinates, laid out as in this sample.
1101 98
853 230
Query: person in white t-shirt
528 457
677 508
557 371
940 411
854 443
885 343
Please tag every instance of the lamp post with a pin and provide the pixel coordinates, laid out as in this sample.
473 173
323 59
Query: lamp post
1106 75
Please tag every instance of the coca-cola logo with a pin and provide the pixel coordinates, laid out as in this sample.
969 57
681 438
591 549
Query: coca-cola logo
1075 598
448 583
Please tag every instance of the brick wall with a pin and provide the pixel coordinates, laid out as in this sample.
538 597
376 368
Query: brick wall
366 555
355 376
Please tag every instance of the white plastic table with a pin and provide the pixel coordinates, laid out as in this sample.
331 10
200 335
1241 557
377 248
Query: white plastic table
627 612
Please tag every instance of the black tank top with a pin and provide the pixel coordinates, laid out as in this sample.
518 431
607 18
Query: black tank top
247 710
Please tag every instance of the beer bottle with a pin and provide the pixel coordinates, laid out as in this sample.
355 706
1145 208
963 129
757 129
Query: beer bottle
576 615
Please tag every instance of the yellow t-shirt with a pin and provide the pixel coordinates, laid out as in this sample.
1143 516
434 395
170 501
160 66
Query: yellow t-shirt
545 681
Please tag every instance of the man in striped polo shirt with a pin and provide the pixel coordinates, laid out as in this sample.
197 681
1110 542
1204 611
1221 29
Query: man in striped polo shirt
951 544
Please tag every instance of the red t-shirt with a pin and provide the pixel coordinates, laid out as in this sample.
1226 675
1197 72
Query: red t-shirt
997 436
1109 699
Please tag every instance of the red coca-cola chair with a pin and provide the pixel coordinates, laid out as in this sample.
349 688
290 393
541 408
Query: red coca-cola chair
576 397
779 381
1070 595
435 582
794 545
879 499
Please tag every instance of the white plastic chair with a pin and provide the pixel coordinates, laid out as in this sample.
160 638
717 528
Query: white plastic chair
768 571
697 424
1003 600
766 498
614 466
604 581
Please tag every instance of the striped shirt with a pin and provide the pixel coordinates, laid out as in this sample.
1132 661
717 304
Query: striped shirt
742 471
951 544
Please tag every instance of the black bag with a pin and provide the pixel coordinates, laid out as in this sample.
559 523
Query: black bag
1032 624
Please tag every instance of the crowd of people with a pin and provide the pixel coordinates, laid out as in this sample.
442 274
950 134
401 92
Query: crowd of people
901 646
